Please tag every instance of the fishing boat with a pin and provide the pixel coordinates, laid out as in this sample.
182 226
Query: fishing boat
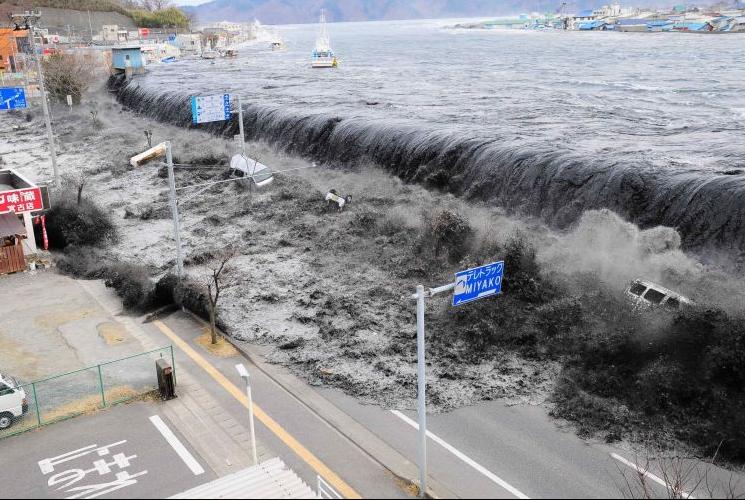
323 55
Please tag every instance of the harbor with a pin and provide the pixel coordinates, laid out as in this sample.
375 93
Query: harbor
615 17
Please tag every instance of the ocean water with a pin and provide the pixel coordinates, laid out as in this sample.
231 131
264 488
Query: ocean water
548 123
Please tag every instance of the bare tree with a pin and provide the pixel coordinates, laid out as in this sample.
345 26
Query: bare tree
214 289
681 478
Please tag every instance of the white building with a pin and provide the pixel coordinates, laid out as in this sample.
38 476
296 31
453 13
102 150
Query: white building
190 44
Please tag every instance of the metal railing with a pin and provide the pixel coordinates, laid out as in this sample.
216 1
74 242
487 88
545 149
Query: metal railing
87 390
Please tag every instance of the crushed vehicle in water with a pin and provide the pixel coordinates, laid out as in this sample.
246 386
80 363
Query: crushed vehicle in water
649 294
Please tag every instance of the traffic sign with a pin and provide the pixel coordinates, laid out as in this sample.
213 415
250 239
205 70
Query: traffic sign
477 283
214 108
12 98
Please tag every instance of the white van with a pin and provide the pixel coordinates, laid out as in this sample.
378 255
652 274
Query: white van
647 293
13 403
246 167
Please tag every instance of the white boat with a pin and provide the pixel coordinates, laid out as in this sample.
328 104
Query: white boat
323 55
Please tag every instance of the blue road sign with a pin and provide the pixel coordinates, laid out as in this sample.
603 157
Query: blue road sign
213 108
12 98
477 283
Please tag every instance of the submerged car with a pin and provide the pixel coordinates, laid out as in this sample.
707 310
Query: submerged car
246 167
13 403
647 293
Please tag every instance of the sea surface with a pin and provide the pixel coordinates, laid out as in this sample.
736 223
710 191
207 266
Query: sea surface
651 125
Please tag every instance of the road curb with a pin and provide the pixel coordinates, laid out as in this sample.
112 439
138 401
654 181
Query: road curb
356 433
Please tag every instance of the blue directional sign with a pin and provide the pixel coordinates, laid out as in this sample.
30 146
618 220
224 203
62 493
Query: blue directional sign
12 98
213 108
477 283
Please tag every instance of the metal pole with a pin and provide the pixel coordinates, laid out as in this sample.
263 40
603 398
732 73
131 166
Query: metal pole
240 126
174 211
45 108
90 25
422 393
251 420
103 392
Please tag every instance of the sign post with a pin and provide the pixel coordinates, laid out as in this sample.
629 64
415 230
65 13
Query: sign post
218 108
213 108
470 285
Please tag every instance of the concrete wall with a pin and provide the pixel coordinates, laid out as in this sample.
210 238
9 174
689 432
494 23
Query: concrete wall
57 20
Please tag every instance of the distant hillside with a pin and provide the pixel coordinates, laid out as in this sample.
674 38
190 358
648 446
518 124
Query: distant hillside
306 11
57 15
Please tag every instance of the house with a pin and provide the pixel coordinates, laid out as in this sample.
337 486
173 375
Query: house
127 60
584 16
19 199
634 25
190 44
12 43
111 33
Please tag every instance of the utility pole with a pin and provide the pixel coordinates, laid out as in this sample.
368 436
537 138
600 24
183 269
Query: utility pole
90 25
240 127
174 211
29 19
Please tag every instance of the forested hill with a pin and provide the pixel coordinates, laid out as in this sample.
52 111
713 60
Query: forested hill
125 13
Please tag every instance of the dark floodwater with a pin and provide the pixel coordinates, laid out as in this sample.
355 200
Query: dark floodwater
551 123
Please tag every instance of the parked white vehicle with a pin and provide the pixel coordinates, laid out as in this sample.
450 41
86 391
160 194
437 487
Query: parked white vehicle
13 403
647 293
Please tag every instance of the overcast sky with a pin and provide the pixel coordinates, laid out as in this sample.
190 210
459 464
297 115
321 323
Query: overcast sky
190 2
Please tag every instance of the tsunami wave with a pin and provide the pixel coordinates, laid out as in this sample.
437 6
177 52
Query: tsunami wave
706 208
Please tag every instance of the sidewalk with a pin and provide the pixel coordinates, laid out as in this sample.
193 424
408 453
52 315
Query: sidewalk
221 440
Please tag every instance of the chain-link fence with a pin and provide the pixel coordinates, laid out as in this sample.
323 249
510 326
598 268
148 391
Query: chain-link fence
32 405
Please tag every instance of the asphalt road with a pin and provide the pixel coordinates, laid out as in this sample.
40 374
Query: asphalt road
343 457
117 453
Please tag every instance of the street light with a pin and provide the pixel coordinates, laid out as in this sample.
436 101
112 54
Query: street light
247 378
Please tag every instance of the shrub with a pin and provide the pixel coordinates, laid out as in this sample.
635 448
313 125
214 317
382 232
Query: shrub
67 74
132 283
448 234
78 224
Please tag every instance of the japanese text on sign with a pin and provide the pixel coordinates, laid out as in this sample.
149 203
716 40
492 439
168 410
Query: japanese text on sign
213 108
21 201
107 474
478 283
13 98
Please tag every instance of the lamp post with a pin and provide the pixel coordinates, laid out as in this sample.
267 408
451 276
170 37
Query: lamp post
243 372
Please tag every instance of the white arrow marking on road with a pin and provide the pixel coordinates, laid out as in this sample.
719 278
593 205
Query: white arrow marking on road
177 446
480 468
649 475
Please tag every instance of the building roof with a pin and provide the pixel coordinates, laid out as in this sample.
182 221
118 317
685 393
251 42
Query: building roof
631 22
10 225
271 479
585 13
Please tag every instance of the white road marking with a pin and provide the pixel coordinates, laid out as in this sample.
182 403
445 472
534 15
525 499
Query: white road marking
649 475
480 468
177 446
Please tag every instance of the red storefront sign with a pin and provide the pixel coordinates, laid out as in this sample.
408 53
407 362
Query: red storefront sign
21 201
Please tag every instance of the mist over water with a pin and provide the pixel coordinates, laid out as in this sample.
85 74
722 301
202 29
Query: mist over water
551 124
